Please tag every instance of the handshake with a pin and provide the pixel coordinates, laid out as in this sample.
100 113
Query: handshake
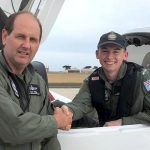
63 117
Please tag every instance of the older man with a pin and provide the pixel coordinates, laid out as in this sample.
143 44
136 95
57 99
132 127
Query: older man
27 119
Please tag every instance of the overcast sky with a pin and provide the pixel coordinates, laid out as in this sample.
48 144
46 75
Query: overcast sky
79 25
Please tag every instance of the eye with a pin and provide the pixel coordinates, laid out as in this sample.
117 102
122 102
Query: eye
20 36
116 51
104 51
34 40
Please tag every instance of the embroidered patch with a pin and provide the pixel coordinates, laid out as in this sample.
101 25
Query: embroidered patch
112 36
147 85
34 89
95 78
14 88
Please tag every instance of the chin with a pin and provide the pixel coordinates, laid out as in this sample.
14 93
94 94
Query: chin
23 61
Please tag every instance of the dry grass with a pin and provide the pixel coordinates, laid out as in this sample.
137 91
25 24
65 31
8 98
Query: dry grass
64 77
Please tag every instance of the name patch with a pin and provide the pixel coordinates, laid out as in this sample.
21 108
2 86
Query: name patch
95 78
34 89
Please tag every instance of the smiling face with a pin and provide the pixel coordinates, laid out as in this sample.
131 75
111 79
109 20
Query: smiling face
20 46
111 57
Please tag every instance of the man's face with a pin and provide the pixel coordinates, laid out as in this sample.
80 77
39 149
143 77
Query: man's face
20 46
111 57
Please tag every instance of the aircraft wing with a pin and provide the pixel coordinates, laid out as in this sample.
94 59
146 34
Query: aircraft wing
127 137
59 97
46 10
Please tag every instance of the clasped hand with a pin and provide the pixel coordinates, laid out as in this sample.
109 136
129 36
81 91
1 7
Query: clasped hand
63 117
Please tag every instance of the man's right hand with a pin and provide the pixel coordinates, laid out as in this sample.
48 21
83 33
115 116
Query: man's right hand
63 118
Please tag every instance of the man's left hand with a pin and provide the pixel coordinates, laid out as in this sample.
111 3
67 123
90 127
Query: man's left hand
113 123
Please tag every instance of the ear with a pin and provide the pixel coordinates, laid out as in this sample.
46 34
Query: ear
97 53
4 36
126 55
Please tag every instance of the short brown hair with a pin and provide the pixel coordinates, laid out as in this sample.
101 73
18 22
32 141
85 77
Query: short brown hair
9 25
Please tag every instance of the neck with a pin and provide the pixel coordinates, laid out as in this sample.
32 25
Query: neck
111 76
17 69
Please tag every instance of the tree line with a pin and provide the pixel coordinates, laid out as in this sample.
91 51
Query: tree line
67 67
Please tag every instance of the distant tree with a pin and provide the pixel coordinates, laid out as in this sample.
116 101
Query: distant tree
66 67
95 67
87 67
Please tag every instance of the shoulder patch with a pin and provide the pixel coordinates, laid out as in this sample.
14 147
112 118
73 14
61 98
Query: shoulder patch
147 85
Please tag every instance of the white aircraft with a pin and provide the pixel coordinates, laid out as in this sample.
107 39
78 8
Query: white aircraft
46 10
139 46
107 138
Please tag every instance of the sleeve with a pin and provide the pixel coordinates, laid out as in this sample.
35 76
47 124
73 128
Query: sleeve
142 106
51 143
81 104
17 127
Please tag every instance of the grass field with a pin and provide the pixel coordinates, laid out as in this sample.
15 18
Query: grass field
65 78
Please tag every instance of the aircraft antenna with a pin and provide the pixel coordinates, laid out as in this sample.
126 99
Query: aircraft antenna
13 6
37 10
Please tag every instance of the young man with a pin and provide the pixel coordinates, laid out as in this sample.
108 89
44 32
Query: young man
27 120
118 90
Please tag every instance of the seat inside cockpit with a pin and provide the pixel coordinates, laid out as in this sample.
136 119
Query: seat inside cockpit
146 61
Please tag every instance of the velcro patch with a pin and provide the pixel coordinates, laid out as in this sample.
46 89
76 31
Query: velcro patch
95 78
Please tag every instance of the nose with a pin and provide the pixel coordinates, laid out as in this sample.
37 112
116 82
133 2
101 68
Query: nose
26 43
109 55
